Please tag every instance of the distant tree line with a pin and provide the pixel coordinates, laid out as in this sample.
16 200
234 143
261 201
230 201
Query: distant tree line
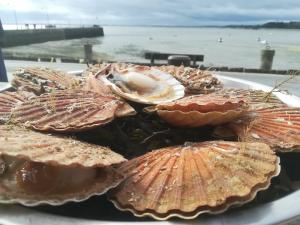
281 25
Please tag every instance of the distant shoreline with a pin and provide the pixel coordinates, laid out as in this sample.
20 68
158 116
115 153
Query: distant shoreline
269 25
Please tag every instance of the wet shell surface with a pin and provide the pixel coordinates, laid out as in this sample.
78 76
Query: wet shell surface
195 80
277 127
42 80
10 100
144 85
69 110
185 181
199 110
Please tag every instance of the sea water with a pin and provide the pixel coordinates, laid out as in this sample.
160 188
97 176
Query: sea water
220 46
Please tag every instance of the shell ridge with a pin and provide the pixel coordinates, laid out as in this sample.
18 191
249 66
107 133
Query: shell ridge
160 191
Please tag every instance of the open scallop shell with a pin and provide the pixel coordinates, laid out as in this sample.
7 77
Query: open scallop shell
10 100
73 170
195 80
185 181
106 178
42 80
198 110
144 85
96 85
69 110
278 127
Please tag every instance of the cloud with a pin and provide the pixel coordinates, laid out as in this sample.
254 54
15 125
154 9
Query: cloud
154 12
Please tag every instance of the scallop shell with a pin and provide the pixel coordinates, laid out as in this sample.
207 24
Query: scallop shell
199 110
96 85
105 179
185 181
72 161
195 80
10 100
69 110
53 149
165 89
41 80
277 127
257 99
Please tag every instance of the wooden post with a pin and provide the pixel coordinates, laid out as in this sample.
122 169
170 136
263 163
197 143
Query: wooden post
152 59
267 59
88 52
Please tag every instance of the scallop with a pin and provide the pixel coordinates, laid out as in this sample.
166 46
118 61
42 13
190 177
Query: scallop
144 85
38 168
257 99
43 80
196 81
69 110
199 110
186 181
278 127
10 100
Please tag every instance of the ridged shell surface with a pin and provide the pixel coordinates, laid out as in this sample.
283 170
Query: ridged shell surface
278 127
217 101
199 110
53 150
185 181
68 110
10 100
257 99
95 84
195 80
41 80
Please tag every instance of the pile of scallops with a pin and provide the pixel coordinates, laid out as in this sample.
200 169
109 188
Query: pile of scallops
41 163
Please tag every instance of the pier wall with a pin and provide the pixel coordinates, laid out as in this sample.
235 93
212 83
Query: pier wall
25 37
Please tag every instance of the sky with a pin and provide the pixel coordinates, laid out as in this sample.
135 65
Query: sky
149 12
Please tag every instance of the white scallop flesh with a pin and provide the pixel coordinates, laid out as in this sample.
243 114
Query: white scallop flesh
149 86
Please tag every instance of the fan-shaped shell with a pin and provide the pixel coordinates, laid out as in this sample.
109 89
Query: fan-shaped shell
41 80
185 181
69 110
199 110
53 150
195 80
95 84
257 99
278 127
10 100
38 168
164 87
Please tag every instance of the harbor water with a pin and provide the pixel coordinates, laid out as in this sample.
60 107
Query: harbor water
220 46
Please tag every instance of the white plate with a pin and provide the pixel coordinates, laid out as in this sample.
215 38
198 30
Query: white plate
281 210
